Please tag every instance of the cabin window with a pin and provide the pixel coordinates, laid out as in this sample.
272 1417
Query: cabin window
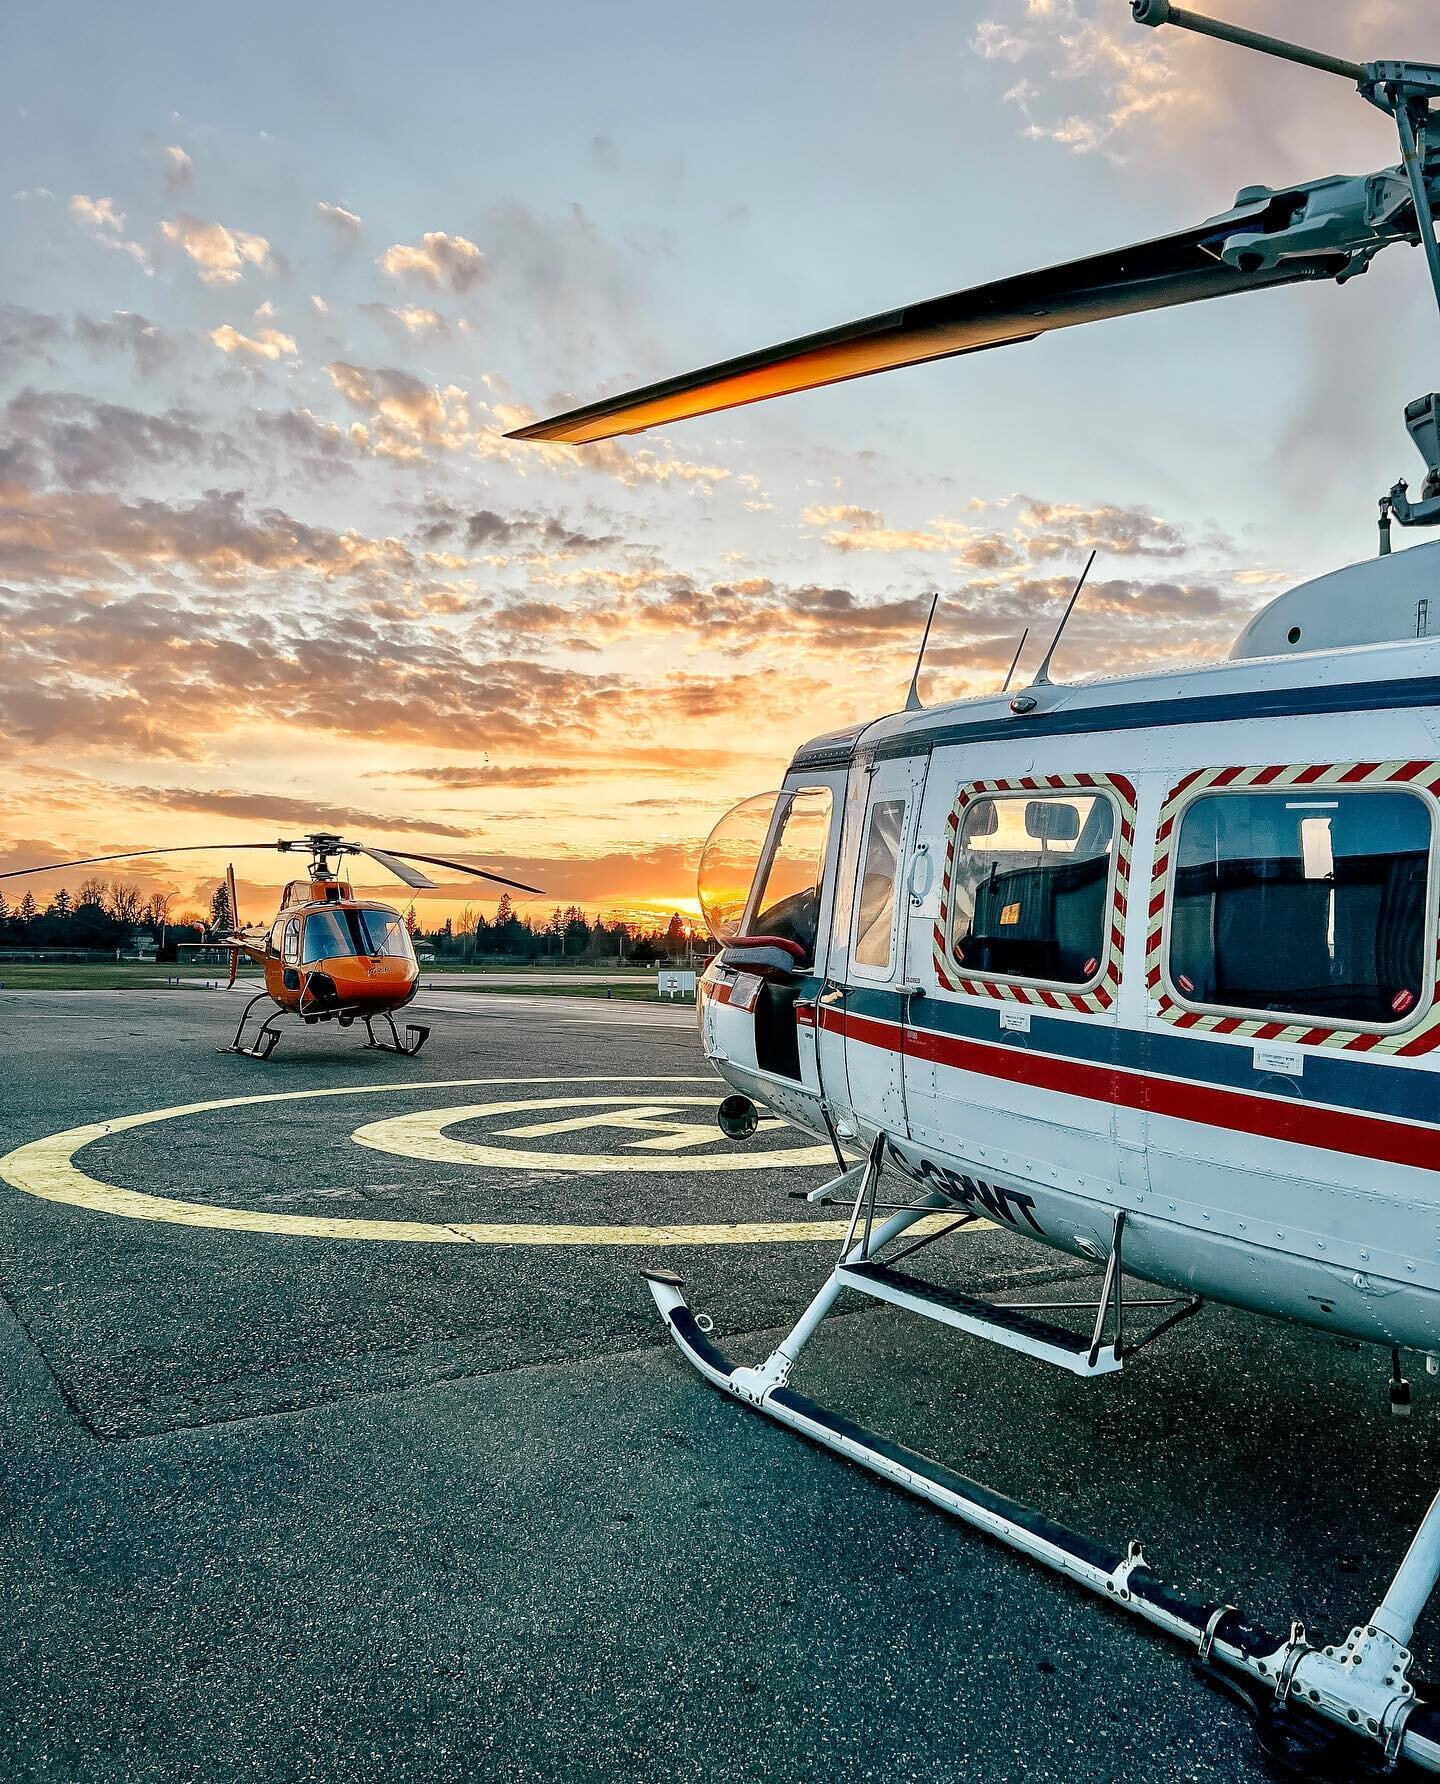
1303 903
879 872
290 949
276 934
787 902
1030 886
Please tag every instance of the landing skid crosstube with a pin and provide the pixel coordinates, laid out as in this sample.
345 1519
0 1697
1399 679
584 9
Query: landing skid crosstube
416 1035
1305 1697
267 1036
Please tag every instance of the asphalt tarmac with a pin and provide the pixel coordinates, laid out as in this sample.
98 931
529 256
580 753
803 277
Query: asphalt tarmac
290 1497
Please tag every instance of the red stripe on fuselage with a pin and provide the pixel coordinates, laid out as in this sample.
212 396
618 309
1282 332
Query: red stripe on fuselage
1272 1118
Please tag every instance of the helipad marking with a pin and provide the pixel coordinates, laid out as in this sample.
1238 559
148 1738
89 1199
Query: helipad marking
422 1135
46 1168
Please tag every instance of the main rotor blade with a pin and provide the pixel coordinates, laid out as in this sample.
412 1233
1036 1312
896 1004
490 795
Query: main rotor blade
184 848
1173 269
411 876
478 872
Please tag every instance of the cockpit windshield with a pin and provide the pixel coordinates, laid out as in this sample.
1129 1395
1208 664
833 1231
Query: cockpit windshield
787 904
341 934
727 865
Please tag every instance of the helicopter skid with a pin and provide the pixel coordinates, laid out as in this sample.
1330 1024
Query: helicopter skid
267 1037
264 1044
1352 1695
416 1035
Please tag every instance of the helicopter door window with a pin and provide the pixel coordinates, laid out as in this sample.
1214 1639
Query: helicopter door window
290 948
1314 906
1031 887
788 901
879 871
276 935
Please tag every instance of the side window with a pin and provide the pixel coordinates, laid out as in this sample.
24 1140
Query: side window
879 868
1031 886
290 951
787 901
275 934
1303 902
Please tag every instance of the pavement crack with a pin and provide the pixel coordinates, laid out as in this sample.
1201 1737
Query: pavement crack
67 1399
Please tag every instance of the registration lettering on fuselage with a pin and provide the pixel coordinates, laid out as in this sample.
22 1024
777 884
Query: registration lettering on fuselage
1009 1205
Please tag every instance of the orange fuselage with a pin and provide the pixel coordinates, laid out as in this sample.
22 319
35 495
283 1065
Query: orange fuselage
330 954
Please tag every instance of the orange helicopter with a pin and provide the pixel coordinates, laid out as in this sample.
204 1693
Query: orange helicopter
328 956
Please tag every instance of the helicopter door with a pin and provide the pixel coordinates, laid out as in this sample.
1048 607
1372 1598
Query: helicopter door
864 1004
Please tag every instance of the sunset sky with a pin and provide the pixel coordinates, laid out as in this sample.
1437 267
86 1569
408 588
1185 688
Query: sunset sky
277 281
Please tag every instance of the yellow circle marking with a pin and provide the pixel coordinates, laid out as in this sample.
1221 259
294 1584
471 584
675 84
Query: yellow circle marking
47 1169
422 1135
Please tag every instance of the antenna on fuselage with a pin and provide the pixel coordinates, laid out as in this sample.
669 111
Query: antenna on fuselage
1014 661
913 702
1041 677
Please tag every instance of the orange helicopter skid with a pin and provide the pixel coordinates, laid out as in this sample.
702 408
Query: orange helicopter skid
366 1004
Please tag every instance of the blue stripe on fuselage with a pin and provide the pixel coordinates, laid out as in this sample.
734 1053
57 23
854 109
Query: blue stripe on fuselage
1366 1086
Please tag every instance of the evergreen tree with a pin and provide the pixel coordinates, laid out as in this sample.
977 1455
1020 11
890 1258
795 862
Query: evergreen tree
411 926
221 916
4 906
61 905
27 912
504 911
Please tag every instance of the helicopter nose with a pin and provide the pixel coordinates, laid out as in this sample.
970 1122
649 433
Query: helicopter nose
362 980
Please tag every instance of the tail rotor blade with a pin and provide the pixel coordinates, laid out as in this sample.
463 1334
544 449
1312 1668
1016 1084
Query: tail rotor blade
230 894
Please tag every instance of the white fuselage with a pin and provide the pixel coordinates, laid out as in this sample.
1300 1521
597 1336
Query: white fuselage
1286 1164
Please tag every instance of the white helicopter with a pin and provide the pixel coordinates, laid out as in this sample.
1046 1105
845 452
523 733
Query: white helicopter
1144 969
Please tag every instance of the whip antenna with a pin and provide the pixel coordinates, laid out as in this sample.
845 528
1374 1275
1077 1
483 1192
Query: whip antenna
1041 677
1014 661
913 702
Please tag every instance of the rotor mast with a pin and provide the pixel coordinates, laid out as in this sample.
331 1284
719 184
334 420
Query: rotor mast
1405 91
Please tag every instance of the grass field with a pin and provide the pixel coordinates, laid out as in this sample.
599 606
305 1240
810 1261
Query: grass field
123 975
110 975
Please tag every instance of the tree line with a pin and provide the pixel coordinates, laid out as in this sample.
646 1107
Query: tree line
105 914
102 914
566 934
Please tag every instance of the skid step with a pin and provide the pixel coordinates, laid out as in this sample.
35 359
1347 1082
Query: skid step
1005 1326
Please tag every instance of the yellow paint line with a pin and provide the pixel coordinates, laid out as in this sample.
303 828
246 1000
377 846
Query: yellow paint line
422 1135
46 1168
